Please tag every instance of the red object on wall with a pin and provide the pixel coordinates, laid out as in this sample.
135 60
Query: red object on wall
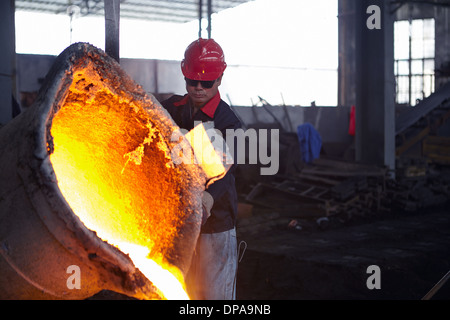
351 125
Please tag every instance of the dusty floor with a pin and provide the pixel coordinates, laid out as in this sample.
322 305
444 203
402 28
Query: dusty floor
412 251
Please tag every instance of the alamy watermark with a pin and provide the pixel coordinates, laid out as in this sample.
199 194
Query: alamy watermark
374 280
374 21
239 146
74 280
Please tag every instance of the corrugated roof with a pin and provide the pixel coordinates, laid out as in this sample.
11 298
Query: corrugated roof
179 11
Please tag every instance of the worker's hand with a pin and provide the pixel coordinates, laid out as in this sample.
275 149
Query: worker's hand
207 203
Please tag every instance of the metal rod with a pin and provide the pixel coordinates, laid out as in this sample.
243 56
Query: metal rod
112 20
200 17
438 285
410 64
209 18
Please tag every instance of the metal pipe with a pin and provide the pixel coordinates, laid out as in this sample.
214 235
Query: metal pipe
112 29
7 60
209 18
200 17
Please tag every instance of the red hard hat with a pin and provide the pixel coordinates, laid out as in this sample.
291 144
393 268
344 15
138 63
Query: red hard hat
203 60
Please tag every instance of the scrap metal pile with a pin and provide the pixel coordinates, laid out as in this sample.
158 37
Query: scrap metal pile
346 189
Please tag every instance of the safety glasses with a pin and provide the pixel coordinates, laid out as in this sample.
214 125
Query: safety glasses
205 84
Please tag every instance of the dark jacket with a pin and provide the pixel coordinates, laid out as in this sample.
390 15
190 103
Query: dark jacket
223 191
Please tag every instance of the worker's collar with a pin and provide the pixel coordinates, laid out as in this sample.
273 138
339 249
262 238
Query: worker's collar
209 108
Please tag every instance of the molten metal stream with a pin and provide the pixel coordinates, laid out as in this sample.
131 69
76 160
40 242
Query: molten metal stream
112 168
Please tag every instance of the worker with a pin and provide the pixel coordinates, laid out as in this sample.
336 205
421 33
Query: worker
212 274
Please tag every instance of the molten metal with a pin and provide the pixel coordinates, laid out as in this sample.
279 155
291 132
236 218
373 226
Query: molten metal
95 135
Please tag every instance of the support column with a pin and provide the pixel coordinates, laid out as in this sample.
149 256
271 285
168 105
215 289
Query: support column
200 17
7 60
442 45
347 68
209 18
112 21
375 85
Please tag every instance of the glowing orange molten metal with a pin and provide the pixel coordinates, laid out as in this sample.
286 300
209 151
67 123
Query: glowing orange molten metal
114 170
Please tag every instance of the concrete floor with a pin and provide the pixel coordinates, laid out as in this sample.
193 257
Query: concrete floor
412 251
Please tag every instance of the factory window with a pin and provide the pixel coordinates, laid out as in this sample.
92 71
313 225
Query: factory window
413 60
